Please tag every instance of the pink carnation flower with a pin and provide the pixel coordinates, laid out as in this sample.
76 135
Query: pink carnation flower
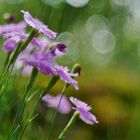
83 110
37 24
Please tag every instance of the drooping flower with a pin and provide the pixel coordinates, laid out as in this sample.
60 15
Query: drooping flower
37 24
66 76
53 101
12 27
83 110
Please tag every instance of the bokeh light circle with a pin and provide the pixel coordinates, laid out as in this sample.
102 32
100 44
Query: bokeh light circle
52 2
134 7
120 2
96 22
14 1
77 3
103 41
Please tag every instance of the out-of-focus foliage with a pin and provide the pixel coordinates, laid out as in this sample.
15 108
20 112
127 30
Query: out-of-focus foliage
103 36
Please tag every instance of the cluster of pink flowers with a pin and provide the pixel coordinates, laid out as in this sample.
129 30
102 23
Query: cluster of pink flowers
41 53
65 107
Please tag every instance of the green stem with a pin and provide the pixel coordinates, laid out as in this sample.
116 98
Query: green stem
20 111
7 60
68 126
51 83
20 47
76 68
23 46
5 73
32 79
55 113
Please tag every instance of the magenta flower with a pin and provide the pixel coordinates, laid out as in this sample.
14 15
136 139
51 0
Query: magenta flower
12 27
53 101
67 77
37 24
83 110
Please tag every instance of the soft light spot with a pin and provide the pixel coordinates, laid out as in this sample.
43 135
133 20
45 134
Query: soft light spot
14 1
65 37
77 3
52 2
120 2
134 7
100 59
132 28
96 22
103 41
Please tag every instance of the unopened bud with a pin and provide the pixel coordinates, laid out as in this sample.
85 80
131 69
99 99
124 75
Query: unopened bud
76 69
9 18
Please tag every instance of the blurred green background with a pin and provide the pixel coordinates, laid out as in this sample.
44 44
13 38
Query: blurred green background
104 37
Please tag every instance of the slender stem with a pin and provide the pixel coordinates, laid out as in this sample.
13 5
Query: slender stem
68 126
55 113
7 60
23 46
20 47
21 107
5 73
74 69
51 83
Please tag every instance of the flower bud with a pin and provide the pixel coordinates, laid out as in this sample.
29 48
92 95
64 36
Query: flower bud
76 69
9 18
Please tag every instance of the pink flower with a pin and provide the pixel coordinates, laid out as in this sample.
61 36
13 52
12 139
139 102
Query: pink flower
53 101
13 38
12 27
64 75
83 110
37 24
